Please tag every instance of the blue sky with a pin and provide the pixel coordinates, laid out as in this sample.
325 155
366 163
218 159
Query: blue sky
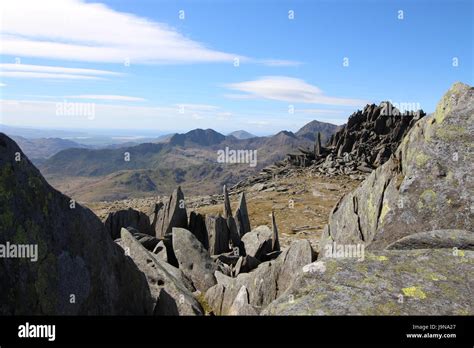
182 75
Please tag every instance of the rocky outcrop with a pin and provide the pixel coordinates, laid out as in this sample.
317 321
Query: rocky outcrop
425 186
262 284
407 282
77 269
194 259
171 293
172 214
127 218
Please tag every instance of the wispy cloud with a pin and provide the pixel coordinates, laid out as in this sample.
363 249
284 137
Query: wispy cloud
2 85
288 89
106 97
95 33
52 72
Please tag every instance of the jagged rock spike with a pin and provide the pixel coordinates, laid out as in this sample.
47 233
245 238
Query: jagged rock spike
317 145
275 240
242 217
218 234
227 208
173 214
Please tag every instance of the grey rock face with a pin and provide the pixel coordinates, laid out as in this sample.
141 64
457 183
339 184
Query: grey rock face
440 239
291 262
173 214
170 295
241 305
425 186
241 216
218 234
127 218
75 254
395 282
258 242
194 260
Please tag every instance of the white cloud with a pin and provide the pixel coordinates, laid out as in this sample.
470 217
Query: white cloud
74 30
52 72
2 84
36 75
280 62
288 89
106 97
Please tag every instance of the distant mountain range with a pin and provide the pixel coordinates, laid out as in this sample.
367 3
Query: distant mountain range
135 170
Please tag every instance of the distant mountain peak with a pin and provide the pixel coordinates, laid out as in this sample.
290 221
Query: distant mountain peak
242 134
203 137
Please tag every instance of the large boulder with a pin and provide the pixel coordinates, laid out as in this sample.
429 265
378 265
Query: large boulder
194 260
170 292
78 269
259 242
127 218
395 282
427 185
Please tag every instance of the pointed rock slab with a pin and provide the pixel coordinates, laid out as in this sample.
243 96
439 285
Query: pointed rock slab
241 216
241 305
75 254
153 215
194 260
275 240
258 242
173 214
170 294
127 218
227 208
197 226
317 146
218 235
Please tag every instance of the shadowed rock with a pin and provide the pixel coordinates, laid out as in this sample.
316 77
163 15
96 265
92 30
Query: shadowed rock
194 259
127 218
75 254
218 235
245 264
275 241
171 295
258 242
197 226
173 214
241 216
